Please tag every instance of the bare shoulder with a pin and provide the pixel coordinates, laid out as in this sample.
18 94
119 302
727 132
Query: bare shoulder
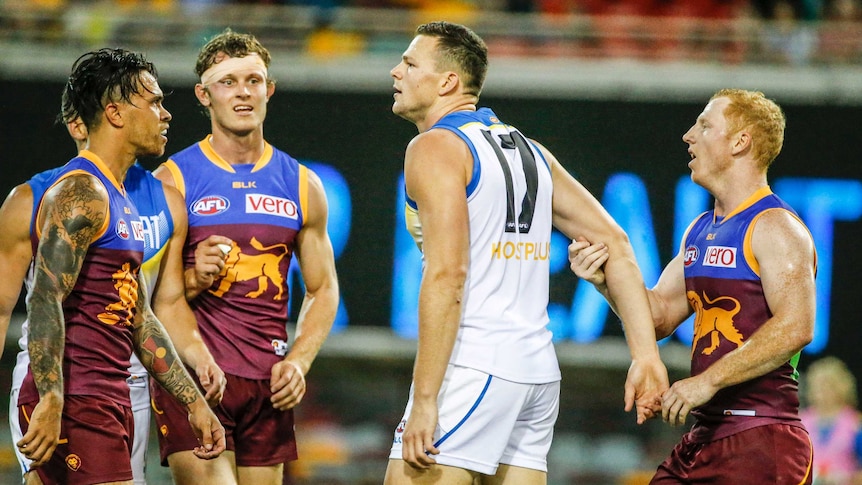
79 188
164 174
15 213
436 155
316 212
20 199
779 226
176 204
780 237
436 143
80 199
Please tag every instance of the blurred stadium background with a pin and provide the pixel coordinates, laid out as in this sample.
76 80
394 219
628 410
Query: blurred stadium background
609 85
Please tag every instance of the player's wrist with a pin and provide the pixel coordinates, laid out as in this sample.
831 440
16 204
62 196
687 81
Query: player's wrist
298 368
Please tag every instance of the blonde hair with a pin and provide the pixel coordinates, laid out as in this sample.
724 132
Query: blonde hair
752 111
834 372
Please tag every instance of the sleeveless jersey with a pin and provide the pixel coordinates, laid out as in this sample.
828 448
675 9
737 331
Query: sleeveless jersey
503 329
99 310
157 226
243 316
723 287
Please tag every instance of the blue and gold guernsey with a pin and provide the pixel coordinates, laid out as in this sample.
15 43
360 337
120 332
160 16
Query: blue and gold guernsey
157 226
100 308
723 286
503 329
260 207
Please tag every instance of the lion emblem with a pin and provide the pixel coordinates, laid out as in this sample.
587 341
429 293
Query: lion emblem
714 322
263 267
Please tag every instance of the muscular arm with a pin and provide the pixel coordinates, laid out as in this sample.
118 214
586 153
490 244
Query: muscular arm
209 258
172 309
73 212
15 251
320 304
157 354
668 302
437 168
785 253
578 214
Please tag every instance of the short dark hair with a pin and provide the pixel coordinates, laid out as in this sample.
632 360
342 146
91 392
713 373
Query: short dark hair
234 44
100 77
460 48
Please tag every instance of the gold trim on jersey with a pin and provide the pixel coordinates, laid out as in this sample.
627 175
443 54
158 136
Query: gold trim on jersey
77 171
303 191
491 126
751 200
217 160
414 226
177 175
92 157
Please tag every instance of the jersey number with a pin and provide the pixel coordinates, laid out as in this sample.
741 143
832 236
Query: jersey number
512 141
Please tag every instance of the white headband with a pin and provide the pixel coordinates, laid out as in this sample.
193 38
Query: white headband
251 62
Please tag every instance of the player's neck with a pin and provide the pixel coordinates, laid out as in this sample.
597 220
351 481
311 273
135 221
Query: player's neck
438 112
115 157
238 148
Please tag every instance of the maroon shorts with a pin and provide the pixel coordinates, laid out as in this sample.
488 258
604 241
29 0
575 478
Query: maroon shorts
95 442
775 454
257 433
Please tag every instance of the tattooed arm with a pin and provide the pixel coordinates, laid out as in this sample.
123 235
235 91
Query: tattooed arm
159 357
72 214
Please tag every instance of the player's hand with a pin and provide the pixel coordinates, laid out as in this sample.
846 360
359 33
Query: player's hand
212 380
646 382
683 396
417 442
287 385
208 429
586 260
43 432
210 256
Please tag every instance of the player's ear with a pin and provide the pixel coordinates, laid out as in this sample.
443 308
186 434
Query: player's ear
202 94
449 82
741 142
114 114
270 88
78 131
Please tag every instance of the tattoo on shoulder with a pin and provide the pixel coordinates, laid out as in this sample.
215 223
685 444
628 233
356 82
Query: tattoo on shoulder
76 213
79 207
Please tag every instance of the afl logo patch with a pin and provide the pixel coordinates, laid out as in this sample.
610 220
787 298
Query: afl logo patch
73 461
122 229
691 256
209 205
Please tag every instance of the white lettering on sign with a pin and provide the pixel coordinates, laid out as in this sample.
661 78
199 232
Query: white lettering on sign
720 256
270 205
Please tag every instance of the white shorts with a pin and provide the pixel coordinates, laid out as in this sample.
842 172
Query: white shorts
484 421
139 393
15 428
140 396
